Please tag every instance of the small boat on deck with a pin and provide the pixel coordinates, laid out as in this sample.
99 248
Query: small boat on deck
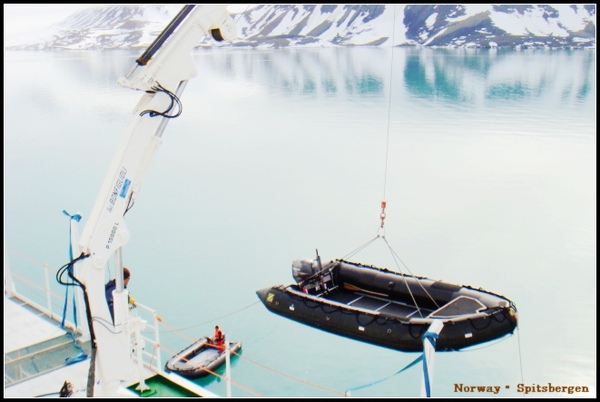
200 358
388 308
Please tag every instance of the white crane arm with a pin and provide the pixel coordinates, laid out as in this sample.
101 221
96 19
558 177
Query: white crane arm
161 72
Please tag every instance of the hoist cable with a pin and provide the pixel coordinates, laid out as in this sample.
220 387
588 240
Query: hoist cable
387 142
382 215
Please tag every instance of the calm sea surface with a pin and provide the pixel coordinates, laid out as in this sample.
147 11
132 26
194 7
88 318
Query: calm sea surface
487 161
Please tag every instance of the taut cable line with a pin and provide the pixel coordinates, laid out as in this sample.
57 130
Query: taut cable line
381 231
382 215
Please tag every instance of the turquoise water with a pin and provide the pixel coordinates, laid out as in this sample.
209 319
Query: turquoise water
487 161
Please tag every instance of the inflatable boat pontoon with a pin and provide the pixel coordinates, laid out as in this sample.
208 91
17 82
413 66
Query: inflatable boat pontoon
388 308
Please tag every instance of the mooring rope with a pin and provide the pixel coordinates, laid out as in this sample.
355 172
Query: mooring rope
430 337
280 373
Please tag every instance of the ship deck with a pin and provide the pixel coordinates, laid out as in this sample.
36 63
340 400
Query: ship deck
40 356
35 349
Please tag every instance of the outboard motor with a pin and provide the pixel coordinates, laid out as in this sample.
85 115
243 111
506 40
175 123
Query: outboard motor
303 269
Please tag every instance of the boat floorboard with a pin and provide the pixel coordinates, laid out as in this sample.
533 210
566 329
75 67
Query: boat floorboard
377 304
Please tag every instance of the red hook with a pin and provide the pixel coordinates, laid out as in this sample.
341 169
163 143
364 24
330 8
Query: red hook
382 215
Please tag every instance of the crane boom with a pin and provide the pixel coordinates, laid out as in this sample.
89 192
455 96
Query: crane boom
161 72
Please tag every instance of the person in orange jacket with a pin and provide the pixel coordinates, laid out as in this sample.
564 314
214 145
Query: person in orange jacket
219 339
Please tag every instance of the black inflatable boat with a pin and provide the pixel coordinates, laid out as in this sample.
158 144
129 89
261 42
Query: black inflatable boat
388 308
200 358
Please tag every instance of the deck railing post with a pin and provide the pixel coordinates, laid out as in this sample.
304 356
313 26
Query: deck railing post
48 294
157 341
135 326
8 281
228 369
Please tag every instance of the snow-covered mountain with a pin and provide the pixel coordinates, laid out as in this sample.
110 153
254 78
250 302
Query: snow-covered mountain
482 26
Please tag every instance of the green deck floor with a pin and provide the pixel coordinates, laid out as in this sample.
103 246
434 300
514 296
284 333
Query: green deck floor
161 387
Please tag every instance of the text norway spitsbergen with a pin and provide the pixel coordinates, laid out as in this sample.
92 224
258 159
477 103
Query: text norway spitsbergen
522 388
476 388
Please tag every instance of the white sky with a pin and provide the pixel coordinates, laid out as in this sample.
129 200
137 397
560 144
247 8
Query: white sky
20 18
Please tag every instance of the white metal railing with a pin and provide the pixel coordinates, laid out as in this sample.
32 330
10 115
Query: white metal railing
37 291
151 355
